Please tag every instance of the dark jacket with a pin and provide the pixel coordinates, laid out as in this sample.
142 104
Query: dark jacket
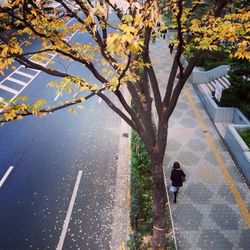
177 176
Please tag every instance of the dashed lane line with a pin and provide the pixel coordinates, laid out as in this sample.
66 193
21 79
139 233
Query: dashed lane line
228 178
69 212
6 175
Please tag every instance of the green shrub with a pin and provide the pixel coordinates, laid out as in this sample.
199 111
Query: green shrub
245 135
238 94
141 196
134 241
212 59
141 193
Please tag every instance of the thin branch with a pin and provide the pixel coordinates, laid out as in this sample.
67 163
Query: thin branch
122 74
117 110
88 65
128 109
29 64
116 10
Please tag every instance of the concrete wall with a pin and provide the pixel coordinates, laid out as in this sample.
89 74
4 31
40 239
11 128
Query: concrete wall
218 114
223 114
238 148
199 76
234 121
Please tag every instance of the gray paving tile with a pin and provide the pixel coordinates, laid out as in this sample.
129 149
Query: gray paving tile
224 217
225 193
187 217
213 239
206 215
198 193
244 240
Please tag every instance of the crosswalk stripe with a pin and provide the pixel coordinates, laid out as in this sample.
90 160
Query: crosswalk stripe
16 81
36 70
2 100
23 74
13 91
40 63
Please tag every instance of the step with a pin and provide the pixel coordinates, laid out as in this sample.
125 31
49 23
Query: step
210 86
222 83
218 81
225 79
213 83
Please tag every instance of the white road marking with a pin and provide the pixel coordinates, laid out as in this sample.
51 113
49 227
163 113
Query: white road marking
2 101
17 81
32 77
24 74
5 176
70 209
57 96
13 91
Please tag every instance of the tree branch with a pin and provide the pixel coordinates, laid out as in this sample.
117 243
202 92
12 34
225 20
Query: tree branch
117 110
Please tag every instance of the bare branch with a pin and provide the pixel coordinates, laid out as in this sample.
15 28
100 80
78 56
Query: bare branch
30 64
117 110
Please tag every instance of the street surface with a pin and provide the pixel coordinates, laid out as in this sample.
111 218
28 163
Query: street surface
57 173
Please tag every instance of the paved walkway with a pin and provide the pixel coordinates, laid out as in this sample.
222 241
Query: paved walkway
212 210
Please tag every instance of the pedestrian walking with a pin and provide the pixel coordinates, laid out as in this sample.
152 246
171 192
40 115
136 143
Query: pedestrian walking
163 31
177 178
171 47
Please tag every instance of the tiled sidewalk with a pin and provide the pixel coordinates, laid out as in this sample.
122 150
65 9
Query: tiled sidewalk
207 214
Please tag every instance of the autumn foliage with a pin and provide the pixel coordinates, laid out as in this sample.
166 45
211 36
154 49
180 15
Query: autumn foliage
119 59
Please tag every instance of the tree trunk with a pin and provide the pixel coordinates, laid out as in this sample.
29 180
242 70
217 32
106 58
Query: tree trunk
159 203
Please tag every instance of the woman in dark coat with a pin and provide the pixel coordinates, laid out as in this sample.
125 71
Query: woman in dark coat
177 178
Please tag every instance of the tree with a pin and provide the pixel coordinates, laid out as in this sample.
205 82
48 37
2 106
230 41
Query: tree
238 94
124 48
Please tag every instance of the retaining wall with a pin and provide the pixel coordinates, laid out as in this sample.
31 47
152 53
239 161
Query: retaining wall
199 76
238 148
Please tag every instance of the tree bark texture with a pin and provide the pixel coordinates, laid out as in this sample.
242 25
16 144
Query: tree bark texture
159 203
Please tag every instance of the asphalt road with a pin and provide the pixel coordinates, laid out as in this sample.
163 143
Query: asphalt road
60 188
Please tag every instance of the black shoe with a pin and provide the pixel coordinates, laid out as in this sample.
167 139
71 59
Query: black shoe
175 201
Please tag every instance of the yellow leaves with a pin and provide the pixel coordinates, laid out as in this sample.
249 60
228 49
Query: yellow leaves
114 43
127 28
12 48
80 106
243 50
125 42
71 110
195 25
127 18
89 19
10 115
99 11
39 103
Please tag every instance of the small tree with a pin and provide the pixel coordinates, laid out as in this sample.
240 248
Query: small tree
124 49
238 94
